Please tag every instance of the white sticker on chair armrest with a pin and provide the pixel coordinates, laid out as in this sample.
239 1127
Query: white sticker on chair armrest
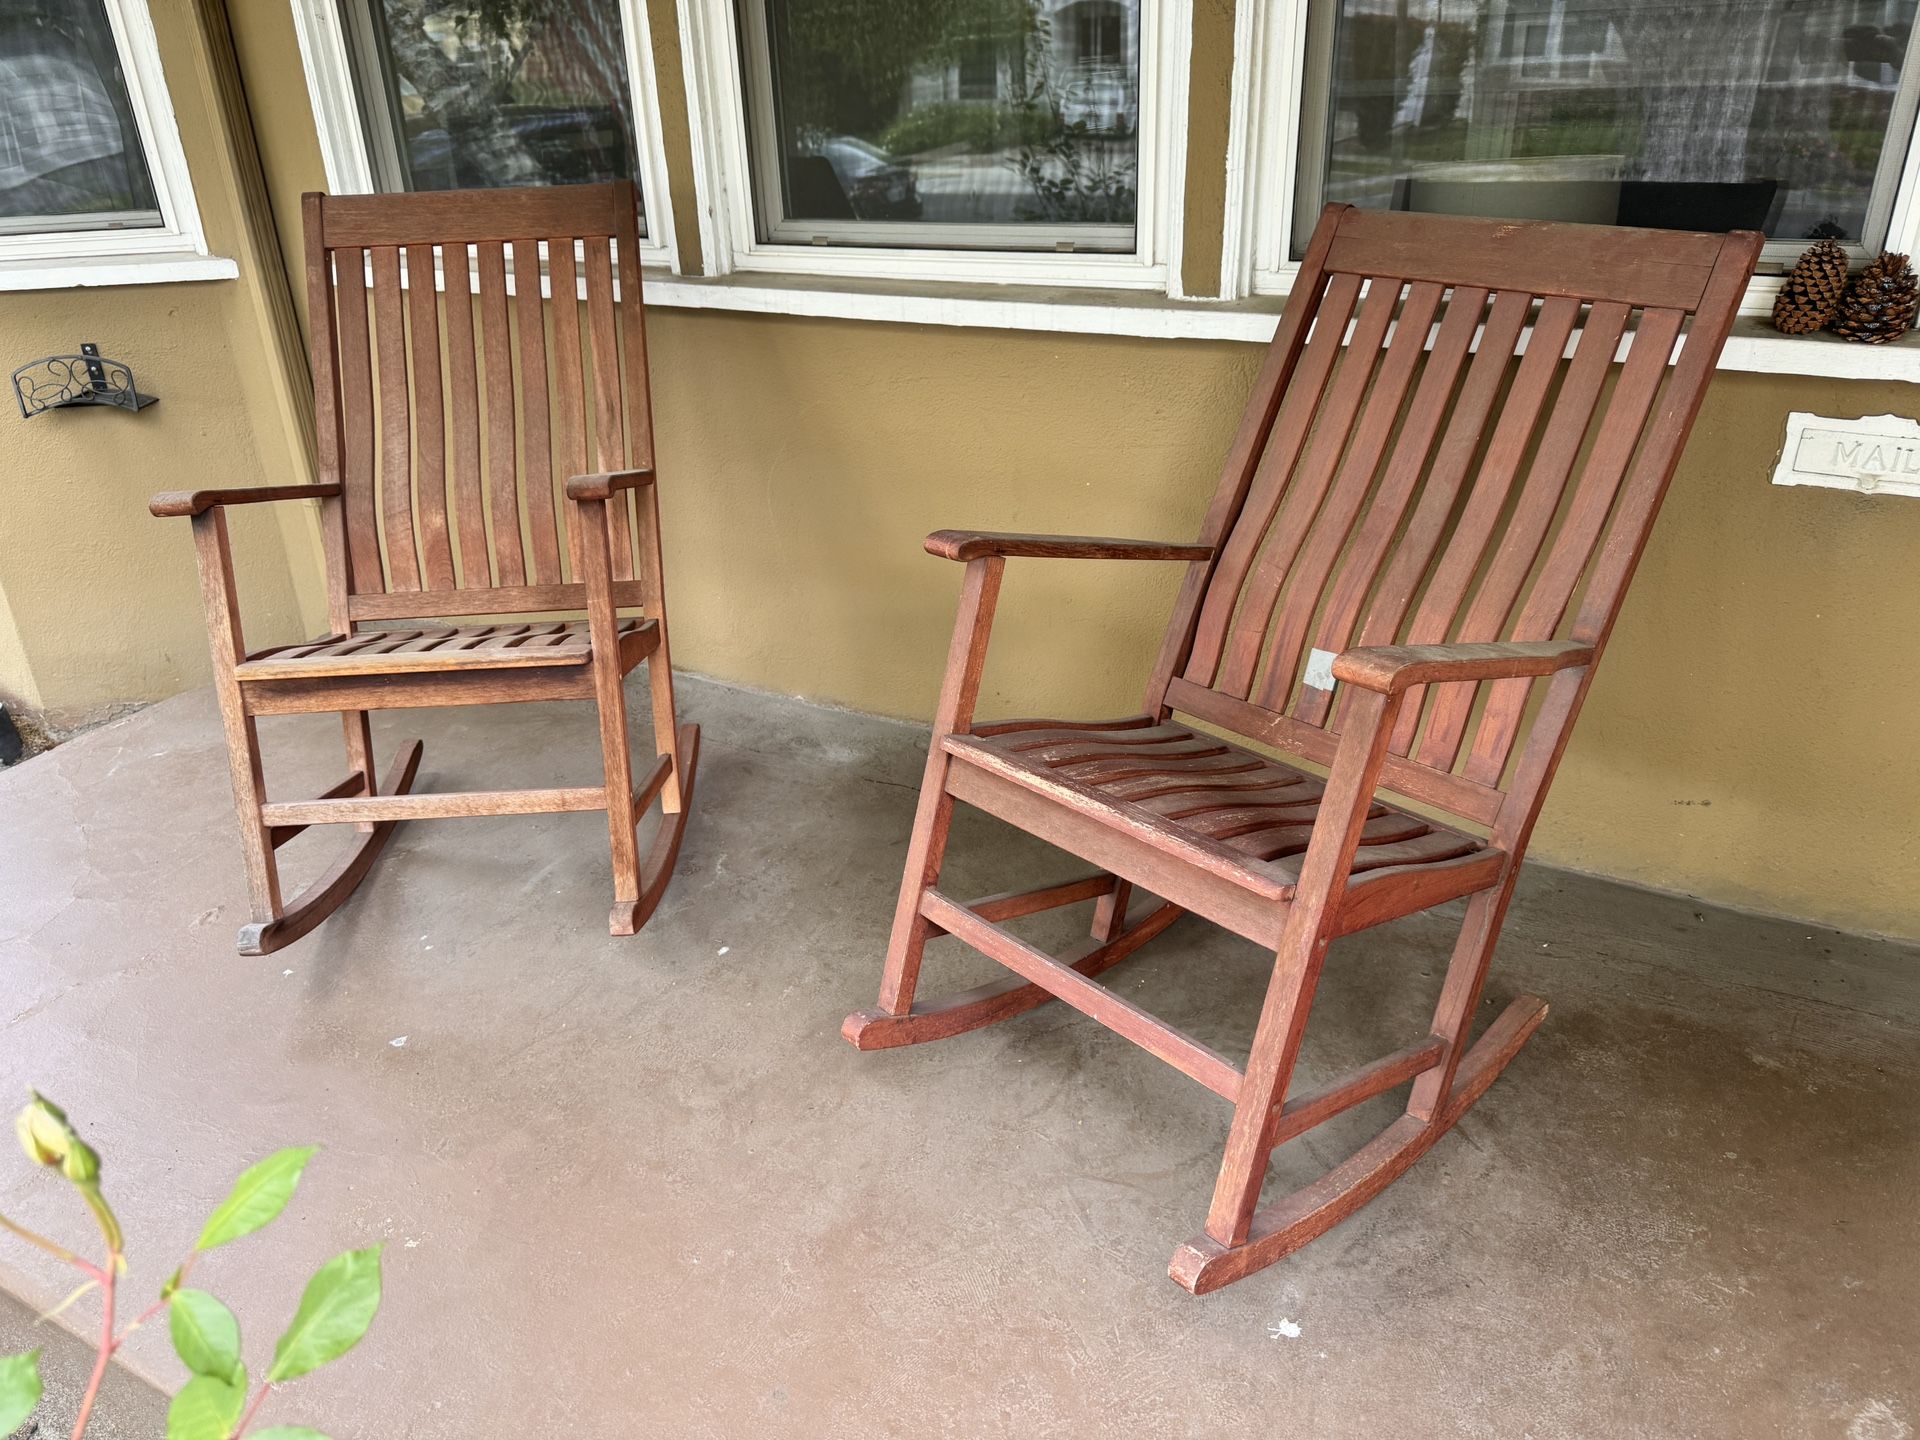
1319 670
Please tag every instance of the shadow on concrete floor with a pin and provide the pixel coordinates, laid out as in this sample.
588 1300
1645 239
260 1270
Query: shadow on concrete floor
640 1187
128 1407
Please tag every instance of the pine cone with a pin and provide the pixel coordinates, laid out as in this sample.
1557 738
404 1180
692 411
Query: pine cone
1814 288
1880 302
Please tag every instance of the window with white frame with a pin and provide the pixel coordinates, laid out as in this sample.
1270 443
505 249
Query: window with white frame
1784 116
93 183
984 139
482 94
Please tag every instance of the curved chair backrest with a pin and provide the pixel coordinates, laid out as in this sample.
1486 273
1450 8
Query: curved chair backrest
452 426
1462 432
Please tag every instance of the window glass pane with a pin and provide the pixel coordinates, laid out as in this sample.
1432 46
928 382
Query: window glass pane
1788 116
1005 124
477 94
70 152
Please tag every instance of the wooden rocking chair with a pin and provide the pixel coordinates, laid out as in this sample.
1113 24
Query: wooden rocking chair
1407 518
438 437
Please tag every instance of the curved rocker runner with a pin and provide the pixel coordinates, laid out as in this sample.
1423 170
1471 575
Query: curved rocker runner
415 529
1413 531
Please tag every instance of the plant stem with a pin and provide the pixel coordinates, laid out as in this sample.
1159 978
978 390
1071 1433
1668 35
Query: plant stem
166 1299
253 1409
108 1345
59 1252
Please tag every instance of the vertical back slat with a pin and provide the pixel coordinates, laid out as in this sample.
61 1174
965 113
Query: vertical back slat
1626 537
1274 382
1453 464
1351 486
429 419
1285 442
609 437
396 460
1526 528
1381 493
1371 549
323 352
1487 499
569 384
356 403
536 426
463 380
453 421
1619 436
1306 488
502 465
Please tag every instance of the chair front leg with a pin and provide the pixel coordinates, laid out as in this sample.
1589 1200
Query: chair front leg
610 696
1298 960
959 693
228 646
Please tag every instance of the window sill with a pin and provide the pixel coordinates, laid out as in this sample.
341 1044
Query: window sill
1058 309
163 268
1754 346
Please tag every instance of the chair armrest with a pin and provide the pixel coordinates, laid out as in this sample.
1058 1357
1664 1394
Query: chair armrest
602 484
198 502
1389 669
977 544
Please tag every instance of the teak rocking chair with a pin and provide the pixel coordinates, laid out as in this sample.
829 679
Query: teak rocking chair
440 428
1407 519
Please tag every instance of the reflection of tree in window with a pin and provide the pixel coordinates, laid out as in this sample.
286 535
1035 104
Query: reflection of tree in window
507 92
1743 95
952 111
68 142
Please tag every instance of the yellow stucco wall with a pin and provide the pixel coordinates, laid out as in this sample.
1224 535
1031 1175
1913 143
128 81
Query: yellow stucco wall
1750 737
104 598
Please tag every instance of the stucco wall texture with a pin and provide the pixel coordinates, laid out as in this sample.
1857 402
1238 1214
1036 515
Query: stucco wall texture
1750 738
1751 735
103 598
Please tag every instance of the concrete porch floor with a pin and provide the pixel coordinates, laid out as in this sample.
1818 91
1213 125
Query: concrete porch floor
641 1187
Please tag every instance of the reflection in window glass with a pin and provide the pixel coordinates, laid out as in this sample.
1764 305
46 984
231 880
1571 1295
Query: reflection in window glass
70 152
1000 123
1786 116
479 94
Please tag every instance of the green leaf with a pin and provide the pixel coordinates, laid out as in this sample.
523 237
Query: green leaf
339 1305
19 1389
206 1409
287 1432
258 1196
206 1337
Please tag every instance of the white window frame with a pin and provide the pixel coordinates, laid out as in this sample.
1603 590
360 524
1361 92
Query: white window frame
326 56
173 250
1272 89
712 50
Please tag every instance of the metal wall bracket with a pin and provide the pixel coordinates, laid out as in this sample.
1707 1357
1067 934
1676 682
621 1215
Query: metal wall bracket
58 382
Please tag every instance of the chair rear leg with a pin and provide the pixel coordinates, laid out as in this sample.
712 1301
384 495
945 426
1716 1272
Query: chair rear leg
1110 911
358 729
1460 997
666 729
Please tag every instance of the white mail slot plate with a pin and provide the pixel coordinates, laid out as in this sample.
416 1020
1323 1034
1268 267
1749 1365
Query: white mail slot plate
1876 454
